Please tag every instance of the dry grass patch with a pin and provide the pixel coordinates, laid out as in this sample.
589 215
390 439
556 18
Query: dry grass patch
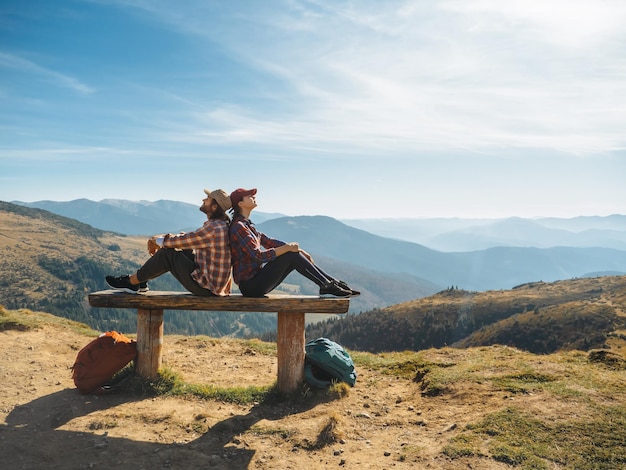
24 320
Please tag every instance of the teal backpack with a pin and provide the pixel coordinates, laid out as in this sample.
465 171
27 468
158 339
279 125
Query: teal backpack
327 362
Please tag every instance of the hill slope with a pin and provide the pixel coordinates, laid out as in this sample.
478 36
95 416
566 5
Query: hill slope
50 262
538 317
493 408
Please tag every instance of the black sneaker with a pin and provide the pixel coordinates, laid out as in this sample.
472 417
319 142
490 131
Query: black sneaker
333 289
123 283
345 286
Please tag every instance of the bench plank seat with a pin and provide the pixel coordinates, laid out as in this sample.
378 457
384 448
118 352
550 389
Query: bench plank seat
291 312
234 303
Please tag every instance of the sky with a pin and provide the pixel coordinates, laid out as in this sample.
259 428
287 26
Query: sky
350 109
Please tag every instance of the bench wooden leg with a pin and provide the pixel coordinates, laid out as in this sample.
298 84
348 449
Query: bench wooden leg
290 351
149 342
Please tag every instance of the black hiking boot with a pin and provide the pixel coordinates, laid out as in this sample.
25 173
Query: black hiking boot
333 289
345 286
123 283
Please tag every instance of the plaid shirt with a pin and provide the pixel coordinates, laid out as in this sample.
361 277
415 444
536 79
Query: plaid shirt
250 249
211 252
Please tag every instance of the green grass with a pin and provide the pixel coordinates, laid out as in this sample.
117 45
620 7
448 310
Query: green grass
518 438
522 382
464 445
261 347
501 368
170 383
399 364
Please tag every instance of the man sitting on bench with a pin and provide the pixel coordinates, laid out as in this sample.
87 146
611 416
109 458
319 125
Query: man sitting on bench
199 260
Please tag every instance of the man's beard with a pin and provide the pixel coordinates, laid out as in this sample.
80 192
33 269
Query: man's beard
206 209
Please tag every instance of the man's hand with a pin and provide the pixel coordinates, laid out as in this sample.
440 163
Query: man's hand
152 246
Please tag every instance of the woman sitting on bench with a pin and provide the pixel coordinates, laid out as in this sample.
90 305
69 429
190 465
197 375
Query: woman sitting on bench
261 263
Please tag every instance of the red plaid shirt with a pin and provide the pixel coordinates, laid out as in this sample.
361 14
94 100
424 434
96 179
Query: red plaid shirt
250 249
211 252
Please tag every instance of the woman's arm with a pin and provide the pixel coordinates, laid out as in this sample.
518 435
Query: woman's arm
248 241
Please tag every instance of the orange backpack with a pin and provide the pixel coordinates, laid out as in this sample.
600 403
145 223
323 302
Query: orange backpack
98 362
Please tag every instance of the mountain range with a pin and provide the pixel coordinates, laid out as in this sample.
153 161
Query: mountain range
441 234
132 217
498 267
493 268
479 234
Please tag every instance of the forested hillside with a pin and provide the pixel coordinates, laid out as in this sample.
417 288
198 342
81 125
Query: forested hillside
538 317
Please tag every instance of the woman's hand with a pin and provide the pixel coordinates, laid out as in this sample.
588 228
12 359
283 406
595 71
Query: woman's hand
293 246
287 247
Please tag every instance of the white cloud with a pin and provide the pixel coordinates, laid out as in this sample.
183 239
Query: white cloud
411 76
569 23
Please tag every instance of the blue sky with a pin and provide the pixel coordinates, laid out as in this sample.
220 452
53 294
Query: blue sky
351 109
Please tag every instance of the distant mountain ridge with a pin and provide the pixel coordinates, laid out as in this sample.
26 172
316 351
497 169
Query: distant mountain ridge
479 234
132 217
441 234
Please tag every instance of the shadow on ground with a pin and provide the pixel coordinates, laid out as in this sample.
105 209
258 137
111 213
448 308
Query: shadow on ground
31 438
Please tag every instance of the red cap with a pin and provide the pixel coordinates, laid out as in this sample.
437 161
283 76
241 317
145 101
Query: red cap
238 194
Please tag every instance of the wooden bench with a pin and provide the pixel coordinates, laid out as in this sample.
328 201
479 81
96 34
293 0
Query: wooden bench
291 311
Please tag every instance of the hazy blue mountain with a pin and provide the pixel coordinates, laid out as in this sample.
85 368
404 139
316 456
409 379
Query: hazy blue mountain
480 234
133 217
417 230
525 233
494 268
582 223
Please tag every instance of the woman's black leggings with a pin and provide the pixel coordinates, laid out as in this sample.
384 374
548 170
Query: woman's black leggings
275 271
